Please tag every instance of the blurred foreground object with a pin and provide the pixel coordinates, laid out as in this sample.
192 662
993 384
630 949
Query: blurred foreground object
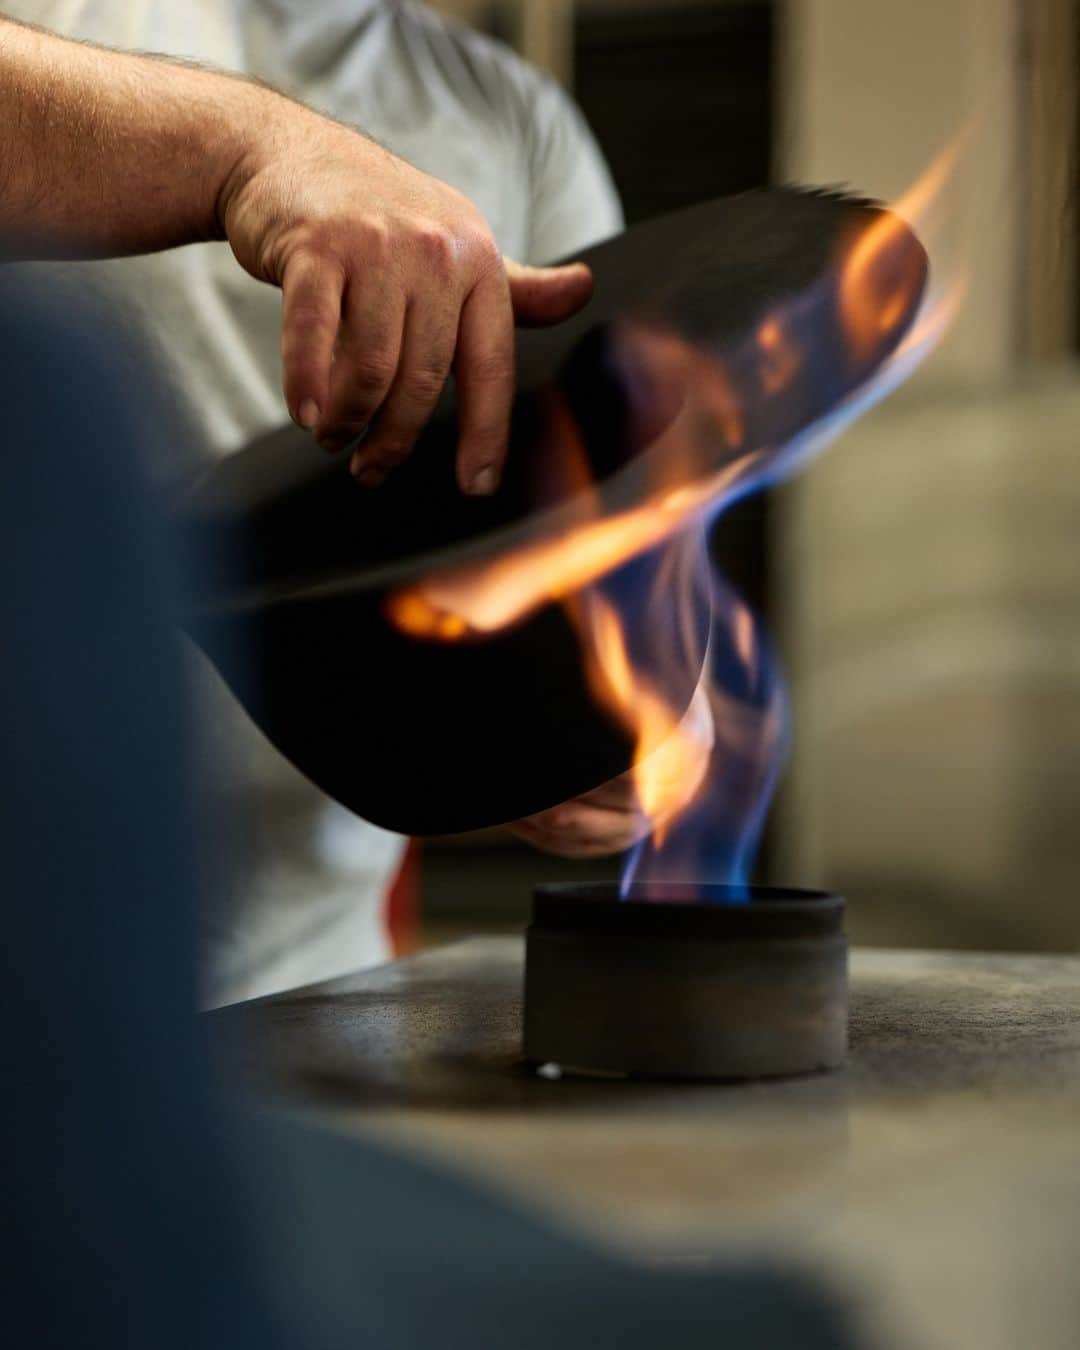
147 1210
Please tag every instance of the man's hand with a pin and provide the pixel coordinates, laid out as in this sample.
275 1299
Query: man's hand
390 278
606 820
610 819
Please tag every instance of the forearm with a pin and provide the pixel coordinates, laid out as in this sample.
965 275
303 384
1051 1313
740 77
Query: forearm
105 153
390 278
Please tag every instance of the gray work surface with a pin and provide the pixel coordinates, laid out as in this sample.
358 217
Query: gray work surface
937 1178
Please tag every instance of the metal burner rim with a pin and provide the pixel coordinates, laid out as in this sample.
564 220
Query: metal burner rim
723 913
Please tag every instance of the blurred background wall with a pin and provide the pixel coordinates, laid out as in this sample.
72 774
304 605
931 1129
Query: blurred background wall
922 577
927 566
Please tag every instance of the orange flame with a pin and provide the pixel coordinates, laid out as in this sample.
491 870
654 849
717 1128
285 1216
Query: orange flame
780 360
671 755
871 298
485 597
672 750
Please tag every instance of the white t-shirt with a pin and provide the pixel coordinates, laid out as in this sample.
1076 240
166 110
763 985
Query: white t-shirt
455 104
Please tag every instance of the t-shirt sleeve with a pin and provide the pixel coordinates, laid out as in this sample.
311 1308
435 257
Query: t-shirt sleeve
573 199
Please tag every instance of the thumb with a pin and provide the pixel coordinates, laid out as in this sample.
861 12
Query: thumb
547 294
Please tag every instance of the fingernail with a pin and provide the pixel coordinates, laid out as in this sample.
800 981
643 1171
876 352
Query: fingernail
309 414
485 482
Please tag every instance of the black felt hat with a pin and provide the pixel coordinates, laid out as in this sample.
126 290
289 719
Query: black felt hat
430 737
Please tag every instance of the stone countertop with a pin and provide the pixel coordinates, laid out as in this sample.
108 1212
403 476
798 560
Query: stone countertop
937 1178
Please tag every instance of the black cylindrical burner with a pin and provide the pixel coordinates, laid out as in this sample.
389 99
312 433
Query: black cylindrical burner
677 981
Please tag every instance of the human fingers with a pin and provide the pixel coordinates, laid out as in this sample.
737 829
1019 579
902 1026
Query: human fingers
543 295
578 829
618 794
312 289
484 370
366 358
426 355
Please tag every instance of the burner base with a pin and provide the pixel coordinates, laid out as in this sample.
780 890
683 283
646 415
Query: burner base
680 982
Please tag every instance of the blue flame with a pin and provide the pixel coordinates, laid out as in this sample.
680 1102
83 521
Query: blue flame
716 839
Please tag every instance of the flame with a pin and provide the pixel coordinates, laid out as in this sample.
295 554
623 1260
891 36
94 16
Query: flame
671 754
873 295
702 457
481 598
780 359
917 203
873 298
